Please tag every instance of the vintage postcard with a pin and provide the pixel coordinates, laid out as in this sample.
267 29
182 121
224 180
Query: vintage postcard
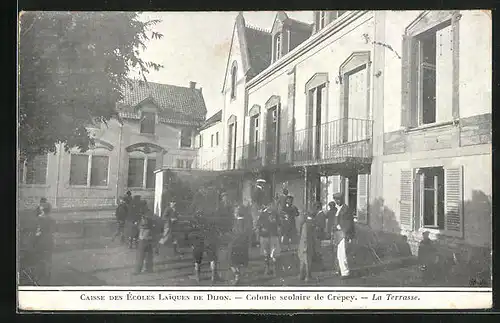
261 160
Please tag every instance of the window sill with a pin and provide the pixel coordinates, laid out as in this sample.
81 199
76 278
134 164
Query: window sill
140 189
34 185
434 232
101 188
431 126
150 135
187 148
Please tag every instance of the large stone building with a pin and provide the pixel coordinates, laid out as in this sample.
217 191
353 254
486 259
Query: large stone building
391 108
158 126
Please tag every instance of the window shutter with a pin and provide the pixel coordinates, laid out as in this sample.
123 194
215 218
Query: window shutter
453 201
235 149
406 199
405 81
362 198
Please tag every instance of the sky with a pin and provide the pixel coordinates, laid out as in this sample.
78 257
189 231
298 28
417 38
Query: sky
195 47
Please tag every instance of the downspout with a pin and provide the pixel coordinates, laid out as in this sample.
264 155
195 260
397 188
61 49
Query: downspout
58 175
119 164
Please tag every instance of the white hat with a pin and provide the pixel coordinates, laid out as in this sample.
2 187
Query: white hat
260 180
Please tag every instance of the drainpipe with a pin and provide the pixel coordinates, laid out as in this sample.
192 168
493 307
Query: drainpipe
119 164
58 174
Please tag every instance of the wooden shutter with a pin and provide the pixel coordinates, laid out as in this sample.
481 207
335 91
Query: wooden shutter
362 198
453 201
444 74
406 82
235 148
406 199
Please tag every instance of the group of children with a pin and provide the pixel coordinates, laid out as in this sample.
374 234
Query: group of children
278 225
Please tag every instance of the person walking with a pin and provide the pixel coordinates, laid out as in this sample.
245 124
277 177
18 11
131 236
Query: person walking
346 231
44 243
170 218
121 216
289 213
132 221
307 245
333 233
268 226
198 236
320 219
238 247
145 241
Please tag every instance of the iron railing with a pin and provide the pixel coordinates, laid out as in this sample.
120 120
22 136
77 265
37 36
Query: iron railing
335 140
328 142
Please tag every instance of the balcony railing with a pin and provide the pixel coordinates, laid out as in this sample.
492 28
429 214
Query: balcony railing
336 140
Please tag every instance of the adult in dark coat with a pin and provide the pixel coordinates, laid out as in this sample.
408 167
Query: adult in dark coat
121 214
44 244
132 221
346 231
289 213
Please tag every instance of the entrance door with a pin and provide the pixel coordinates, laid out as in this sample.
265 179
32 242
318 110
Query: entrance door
351 191
230 148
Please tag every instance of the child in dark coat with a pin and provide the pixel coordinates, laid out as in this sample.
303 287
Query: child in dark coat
145 241
307 246
239 246
121 215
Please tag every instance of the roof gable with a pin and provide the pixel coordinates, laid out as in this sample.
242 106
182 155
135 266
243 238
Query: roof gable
173 102
239 31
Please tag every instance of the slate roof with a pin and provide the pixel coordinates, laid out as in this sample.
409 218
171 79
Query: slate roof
217 117
259 44
175 103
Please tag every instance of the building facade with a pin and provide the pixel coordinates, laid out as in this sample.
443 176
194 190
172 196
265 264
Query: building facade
157 127
393 109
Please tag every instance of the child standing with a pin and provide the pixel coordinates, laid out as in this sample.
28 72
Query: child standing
238 248
145 243
268 226
307 248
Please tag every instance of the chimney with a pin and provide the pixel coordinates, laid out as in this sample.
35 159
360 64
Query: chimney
192 85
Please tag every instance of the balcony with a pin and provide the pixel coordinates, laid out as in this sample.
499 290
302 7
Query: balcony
334 142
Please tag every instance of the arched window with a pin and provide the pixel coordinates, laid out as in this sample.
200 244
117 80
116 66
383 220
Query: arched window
233 80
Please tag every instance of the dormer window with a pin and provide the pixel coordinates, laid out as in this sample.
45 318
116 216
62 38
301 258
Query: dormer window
148 122
277 47
186 138
322 19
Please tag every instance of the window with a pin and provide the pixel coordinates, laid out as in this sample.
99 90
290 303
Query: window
428 76
426 71
322 19
89 170
99 171
34 171
184 163
141 172
255 135
217 138
432 197
148 122
135 172
186 137
150 173
201 140
233 81
277 47
212 140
